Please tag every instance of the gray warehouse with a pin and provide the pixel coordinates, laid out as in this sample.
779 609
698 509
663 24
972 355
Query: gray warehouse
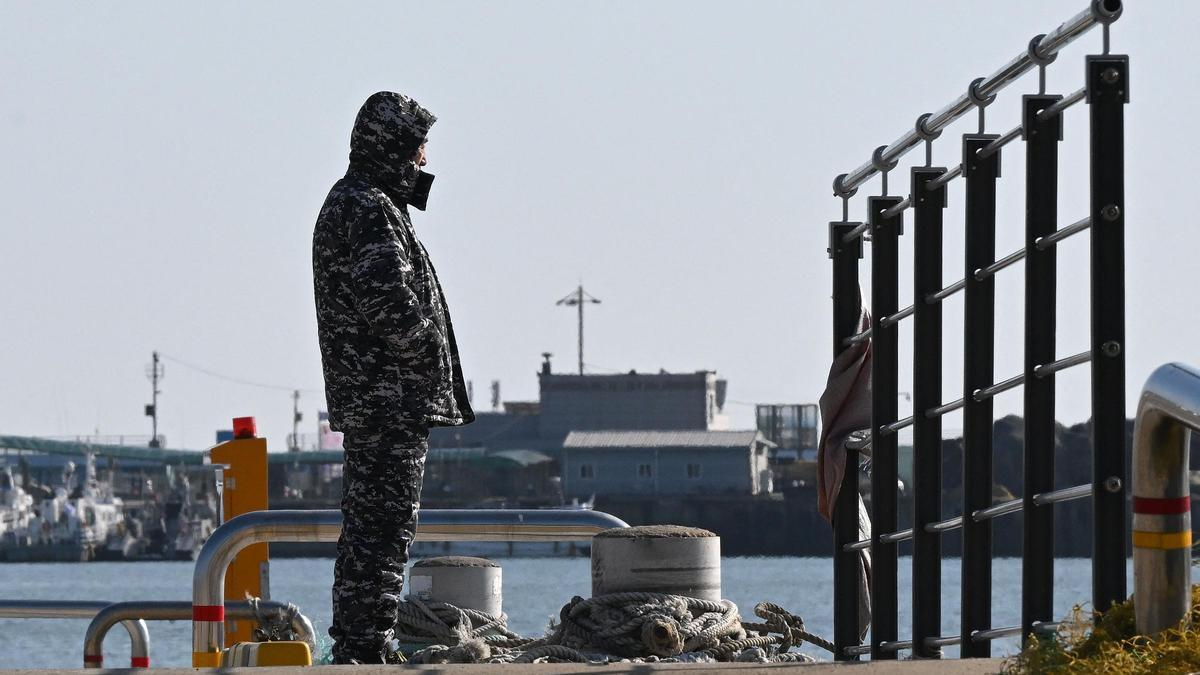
665 463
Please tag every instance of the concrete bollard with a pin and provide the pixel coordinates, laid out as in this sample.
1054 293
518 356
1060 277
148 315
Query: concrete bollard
657 559
469 583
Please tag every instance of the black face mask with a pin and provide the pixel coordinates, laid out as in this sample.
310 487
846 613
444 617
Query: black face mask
419 196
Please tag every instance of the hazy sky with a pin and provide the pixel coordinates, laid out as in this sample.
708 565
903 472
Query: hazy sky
162 166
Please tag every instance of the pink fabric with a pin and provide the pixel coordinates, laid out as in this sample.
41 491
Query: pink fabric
845 407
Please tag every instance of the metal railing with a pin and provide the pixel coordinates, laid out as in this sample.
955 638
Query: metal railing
157 610
139 633
208 580
1106 93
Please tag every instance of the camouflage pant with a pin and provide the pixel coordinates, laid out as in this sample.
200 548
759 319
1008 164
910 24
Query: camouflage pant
381 492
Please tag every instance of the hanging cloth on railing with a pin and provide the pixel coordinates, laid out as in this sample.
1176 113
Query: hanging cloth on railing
846 408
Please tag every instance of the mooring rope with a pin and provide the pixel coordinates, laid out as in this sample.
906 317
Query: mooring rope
274 625
636 627
422 622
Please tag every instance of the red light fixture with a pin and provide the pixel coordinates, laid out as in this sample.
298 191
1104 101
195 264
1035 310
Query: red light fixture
244 427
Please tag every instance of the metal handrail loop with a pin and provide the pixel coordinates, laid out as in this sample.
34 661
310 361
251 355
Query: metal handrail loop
325 525
138 612
139 633
1168 410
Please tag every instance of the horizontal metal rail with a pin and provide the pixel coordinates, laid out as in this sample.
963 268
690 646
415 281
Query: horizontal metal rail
856 232
893 319
944 641
1000 387
1017 380
896 426
944 408
858 650
995 633
980 92
895 646
890 538
51 609
1067 101
994 147
946 292
1003 508
1009 631
894 537
944 178
1008 260
1063 364
945 525
858 337
1010 506
1049 240
1063 495
898 208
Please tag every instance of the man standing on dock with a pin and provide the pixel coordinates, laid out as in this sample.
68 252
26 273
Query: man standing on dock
390 361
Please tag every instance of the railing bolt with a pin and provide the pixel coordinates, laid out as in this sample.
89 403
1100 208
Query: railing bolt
1112 484
1111 348
1110 75
1110 212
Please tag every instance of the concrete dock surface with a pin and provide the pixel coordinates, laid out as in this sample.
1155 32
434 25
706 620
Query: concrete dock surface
939 667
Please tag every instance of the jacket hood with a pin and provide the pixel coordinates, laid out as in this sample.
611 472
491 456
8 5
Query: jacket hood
389 129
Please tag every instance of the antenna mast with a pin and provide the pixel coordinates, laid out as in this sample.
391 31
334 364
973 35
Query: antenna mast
578 299
297 417
154 371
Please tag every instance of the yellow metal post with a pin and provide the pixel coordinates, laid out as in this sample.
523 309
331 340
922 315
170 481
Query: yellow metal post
245 490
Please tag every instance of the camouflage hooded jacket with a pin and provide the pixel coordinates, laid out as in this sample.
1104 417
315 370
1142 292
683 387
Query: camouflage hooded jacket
387 344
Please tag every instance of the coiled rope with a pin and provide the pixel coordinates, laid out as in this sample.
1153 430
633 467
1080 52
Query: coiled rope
639 627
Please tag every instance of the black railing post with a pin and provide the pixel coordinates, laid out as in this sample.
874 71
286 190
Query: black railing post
1107 94
885 358
978 372
928 206
847 312
1041 219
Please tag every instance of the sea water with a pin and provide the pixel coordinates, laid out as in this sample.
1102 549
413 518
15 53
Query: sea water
534 591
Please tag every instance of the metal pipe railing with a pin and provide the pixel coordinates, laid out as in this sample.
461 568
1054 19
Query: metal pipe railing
1006 261
1099 12
1169 408
181 610
1044 242
1040 130
946 292
139 633
256 527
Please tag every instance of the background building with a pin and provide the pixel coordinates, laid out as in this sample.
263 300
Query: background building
665 463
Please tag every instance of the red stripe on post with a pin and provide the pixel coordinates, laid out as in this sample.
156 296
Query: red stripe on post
208 612
1162 507
139 662
93 658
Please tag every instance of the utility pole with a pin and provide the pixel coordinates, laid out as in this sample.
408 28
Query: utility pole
154 371
297 416
578 299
